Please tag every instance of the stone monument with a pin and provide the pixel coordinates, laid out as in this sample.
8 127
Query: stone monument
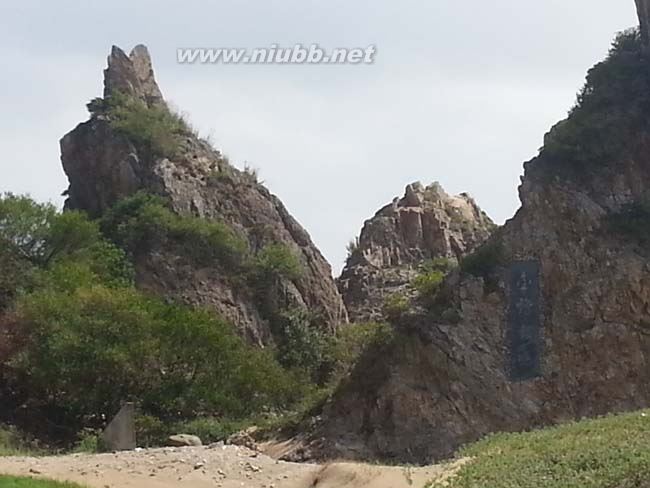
119 435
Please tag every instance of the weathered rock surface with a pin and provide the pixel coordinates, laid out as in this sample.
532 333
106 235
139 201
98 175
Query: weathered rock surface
426 223
103 166
442 384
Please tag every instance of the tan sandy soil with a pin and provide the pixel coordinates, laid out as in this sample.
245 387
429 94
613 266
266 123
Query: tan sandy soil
215 467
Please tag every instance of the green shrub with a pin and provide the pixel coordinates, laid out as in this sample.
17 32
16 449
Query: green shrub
395 305
25 227
139 222
154 129
89 442
301 345
611 111
42 247
92 349
427 285
15 443
352 246
277 261
485 261
151 431
346 347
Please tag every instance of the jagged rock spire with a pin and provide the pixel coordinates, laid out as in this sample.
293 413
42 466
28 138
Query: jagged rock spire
643 10
132 75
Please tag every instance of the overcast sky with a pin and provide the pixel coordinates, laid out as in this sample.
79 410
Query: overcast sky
460 92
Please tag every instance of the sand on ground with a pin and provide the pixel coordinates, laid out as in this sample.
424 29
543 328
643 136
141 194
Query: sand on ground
217 466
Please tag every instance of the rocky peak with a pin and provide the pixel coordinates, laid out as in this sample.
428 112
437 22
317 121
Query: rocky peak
132 75
106 163
426 223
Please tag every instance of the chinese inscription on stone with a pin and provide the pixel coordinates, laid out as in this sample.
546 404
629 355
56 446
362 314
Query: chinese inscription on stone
524 321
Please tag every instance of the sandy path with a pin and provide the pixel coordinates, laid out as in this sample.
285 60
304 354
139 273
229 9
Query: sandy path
215 467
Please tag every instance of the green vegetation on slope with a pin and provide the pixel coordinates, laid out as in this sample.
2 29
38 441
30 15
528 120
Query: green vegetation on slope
77 338
612 110
603 453
154 129
19 482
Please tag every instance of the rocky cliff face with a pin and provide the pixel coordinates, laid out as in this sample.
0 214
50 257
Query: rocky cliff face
426 223
553 315
103 166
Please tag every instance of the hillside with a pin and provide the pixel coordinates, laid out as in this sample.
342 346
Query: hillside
134 143
547 321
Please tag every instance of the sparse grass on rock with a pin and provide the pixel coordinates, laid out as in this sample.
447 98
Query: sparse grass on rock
610 452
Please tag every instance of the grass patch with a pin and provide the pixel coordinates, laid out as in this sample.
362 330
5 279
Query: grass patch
154 129
20 482
610 452
139 222
13 443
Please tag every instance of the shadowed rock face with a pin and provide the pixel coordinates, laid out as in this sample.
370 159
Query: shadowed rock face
104 166
426 223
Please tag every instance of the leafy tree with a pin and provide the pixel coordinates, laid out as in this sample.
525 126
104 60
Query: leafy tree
301 345
25 227
93 348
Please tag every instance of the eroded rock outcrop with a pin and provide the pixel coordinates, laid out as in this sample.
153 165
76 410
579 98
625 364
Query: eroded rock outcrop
583 225
426 223
104 165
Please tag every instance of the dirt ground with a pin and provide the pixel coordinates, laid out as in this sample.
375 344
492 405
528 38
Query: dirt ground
218 466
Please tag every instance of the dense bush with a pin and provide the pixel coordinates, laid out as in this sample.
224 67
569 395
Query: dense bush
484 262
277 261
42 247
395 305
94 348
611 110
25 227
429 279
155 129
301 345
139 222
81 339
346 347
